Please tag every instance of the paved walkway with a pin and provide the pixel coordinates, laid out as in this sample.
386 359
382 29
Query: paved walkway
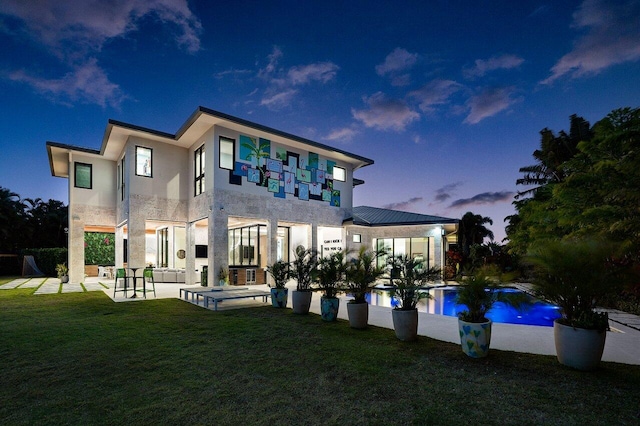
623 341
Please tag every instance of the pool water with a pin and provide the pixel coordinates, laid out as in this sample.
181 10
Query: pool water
535 312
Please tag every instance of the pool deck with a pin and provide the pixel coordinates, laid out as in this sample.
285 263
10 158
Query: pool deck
622 345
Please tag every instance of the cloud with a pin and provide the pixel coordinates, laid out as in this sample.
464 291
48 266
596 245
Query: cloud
344 134
484 198
384 113
321 71
279 100
398 60
395 65
488 103
482 67
444 193
611 36
436 92
72 26
87 83
283 83
403 205
76 31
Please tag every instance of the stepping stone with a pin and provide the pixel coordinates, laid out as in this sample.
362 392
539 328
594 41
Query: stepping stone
50 286
72 288
33 283
93 286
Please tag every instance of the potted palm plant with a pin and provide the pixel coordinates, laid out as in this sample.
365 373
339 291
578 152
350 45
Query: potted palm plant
576 275
407 290
361 276
331 274
478 292
279 271
63 272
303 270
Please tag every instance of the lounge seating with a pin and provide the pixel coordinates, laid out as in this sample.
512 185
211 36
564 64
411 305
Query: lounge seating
166 275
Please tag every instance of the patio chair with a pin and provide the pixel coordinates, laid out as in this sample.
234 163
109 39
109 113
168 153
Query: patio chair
147 278
121 274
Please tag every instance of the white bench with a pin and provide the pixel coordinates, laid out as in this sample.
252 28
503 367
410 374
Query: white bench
196 293
219 296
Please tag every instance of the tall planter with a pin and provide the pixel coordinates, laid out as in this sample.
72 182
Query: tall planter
301 301
329 308
405 324
578 348
475 338
279 297
358 315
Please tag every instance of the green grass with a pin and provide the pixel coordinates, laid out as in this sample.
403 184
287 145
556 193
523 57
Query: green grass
81 359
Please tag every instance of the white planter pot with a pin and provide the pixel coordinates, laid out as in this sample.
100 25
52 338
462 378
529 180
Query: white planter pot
475 338
301 301
358 315
577 347
405 324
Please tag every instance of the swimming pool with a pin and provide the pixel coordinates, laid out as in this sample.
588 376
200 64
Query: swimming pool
536 312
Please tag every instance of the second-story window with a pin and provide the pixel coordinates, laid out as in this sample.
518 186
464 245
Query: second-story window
122 176
83 175
226 153
199 170
143 161
339 173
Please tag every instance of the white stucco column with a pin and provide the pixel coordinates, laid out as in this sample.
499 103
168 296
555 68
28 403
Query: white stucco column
190 267
76 248
218 244
136 240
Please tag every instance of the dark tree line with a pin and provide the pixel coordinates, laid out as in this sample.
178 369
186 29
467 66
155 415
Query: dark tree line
31 223
584 183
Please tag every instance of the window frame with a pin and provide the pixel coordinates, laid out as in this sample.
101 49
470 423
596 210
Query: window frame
138 152
199 181
344 171
233 152
76 166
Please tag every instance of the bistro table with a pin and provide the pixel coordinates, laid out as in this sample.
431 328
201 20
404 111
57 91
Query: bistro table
135 278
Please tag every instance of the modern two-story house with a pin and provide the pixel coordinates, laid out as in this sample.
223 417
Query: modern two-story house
224 192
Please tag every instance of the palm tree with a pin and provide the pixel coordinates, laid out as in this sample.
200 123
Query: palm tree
12 213
554 152
472 231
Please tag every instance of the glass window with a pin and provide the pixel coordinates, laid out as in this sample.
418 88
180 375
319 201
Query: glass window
83 175
357 238
143 161
283 244
122 174
199 165
227 148
339 173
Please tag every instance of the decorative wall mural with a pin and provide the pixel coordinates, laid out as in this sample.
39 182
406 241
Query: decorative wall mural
304 177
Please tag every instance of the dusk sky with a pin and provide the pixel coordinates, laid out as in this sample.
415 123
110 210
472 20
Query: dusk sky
447 97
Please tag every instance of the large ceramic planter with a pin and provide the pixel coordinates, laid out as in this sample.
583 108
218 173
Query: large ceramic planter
279 297
301 301
475 338
358 315
405 324
577 347
329 308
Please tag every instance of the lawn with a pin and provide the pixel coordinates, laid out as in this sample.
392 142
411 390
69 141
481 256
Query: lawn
79 358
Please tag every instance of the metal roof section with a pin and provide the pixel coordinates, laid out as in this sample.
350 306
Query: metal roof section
374 216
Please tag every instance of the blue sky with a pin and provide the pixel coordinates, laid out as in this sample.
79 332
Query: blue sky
448 97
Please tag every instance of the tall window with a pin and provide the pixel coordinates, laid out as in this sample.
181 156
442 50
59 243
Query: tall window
339 173
143 161
122 175
199 170
227 148
83 175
